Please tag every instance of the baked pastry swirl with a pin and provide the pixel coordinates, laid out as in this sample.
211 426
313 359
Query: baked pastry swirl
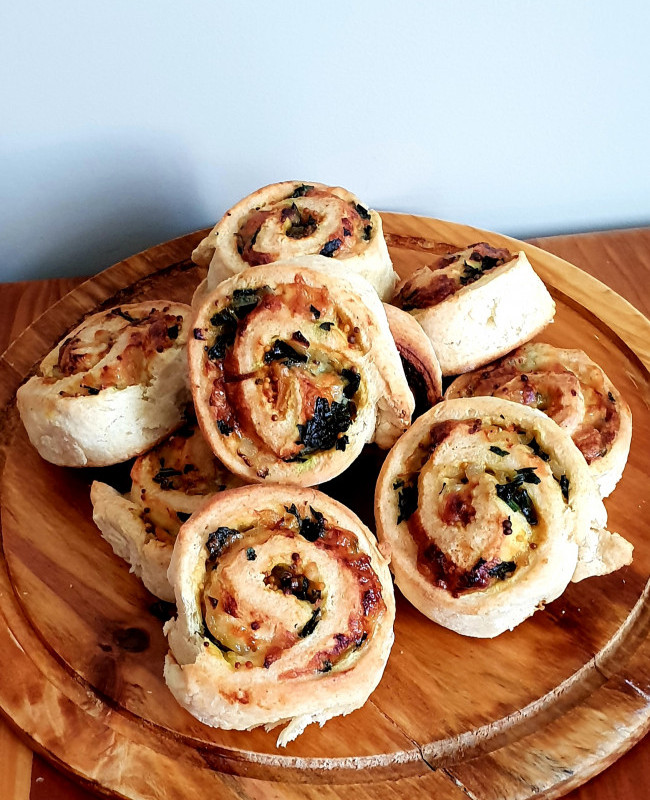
169 483
475 304
490 511
291 220
285 611
571 389
293 371
112 388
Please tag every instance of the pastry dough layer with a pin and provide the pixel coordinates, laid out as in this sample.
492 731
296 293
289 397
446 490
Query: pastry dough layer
170 483
285 611
490 511
476 304
291 220
571 389
113 388
294 370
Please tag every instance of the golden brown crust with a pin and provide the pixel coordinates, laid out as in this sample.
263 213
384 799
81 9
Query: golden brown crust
285 610
490 511
293 371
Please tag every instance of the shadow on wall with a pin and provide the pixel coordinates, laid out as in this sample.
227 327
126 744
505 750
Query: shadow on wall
77 208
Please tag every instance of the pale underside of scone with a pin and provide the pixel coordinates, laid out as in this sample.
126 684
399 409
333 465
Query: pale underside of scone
291 220
534 561
120 521
281 341
302 680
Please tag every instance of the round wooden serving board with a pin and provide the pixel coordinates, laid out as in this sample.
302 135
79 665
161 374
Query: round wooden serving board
532 713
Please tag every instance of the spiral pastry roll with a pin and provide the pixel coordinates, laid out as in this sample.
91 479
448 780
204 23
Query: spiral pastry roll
292 220
571 389
475 304
490 511
293 371
114 387
169 483
285 611
421 365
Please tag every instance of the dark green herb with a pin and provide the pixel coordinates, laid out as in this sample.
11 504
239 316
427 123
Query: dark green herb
516 497
363 212
329 248
301 191
282 351
611 397
499 451
502 570
165 477
315 311
310 626
251 555
183 516
220 540
326 666
353 381
564 486
90 389
310 529
529 476
326 326
535 447
367 232
407 502
245 300
297 336
322 430
342 442
224 428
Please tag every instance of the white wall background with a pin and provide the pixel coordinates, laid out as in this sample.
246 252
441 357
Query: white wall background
125 123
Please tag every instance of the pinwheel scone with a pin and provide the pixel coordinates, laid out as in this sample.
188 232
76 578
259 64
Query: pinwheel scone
571 389
490 511
285 611
475 304
293 371
112 388
291 220
169 483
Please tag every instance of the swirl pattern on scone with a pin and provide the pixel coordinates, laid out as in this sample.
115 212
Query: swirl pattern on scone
475 304
285 611
169 483
490 511
291 220
571 389
293 371
421 365
115 386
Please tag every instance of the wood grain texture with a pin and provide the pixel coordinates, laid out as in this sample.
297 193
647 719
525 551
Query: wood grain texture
482 741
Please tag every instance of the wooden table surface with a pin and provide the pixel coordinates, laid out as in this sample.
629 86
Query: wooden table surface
25 776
